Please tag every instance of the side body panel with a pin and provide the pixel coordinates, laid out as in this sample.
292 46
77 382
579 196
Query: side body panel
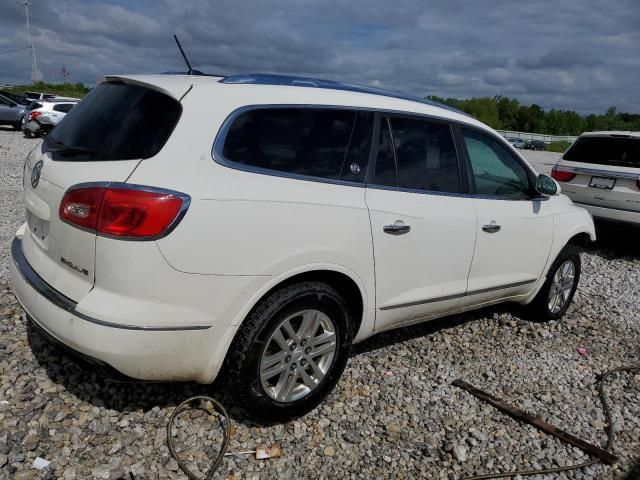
509 261
243 225
424 272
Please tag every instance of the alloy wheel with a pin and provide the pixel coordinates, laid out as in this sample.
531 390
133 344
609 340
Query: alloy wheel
561 287
298 355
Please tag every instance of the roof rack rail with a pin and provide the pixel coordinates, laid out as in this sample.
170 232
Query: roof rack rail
274 79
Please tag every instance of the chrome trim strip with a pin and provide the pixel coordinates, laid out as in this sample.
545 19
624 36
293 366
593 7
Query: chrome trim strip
65 303
599 173
500 287
422 302
581 204
457 295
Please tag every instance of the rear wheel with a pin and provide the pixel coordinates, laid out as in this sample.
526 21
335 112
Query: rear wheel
18 125
289 353
554 298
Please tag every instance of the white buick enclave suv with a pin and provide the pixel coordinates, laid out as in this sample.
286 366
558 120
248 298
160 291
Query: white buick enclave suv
255 226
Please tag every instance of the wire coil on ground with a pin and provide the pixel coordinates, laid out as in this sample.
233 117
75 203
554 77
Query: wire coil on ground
225 442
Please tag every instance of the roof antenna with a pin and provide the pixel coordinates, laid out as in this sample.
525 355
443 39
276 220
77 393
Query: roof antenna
191 71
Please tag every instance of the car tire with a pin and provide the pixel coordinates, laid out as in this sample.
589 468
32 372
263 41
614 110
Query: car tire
26 133
18 125
301 377
556 294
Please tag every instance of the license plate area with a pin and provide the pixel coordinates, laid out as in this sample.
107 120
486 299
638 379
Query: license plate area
39 228
603 183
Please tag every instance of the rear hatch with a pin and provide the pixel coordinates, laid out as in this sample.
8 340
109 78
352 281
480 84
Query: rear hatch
103 138
603 171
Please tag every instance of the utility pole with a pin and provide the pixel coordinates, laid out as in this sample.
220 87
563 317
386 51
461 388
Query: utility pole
34 64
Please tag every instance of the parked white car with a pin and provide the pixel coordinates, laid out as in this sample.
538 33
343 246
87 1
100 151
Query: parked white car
601 172
40 117
181 227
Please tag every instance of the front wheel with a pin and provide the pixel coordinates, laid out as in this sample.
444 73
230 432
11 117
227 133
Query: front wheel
289 353
554 298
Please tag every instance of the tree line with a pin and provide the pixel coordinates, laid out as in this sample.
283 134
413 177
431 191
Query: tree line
507 114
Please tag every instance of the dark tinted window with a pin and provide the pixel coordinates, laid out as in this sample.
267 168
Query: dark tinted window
623 152
385 161
495 170
115 121
304 141
34 105
63 107
425 154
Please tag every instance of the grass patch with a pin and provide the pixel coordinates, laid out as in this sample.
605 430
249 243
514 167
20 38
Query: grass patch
559 147
77 90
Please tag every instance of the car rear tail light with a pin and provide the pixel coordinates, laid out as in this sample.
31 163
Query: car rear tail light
562 174
34 115
124 211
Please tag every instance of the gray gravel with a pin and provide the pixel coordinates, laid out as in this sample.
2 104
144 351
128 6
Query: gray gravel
393 415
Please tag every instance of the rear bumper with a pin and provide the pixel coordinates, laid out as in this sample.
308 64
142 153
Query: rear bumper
123 351
618 215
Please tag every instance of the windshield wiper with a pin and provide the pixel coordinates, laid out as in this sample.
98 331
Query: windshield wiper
61 148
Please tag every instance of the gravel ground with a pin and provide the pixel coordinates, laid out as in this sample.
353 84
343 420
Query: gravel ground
394 414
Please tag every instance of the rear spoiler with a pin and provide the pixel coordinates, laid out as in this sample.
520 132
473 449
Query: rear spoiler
174 86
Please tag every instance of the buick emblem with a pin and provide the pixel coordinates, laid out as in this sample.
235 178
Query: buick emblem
35 174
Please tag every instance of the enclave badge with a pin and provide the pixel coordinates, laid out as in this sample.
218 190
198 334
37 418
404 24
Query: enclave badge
35 174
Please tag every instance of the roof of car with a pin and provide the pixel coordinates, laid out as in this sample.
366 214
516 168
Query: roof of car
612 133
299 90
292 81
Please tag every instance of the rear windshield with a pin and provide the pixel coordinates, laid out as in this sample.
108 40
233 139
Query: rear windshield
621 152
115 121
63 107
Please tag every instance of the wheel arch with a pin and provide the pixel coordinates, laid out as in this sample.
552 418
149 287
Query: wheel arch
346 282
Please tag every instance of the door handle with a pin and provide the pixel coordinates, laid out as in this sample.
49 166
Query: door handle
491 227
396 229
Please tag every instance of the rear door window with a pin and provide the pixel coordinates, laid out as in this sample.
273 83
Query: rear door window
316 142
425 156
115 121
615 151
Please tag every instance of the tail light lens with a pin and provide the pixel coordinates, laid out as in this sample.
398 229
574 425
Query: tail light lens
34 115
562 175
123 211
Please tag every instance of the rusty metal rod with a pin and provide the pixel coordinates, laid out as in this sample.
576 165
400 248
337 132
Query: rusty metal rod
537 422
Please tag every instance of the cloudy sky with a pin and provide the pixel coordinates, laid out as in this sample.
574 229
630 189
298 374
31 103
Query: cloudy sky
571 54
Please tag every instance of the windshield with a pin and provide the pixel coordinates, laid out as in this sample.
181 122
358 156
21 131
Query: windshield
618 151
115 121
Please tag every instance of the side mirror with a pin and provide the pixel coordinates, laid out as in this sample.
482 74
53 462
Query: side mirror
546 185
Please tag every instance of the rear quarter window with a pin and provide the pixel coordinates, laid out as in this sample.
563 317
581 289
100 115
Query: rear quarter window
313 142
615 151
115 121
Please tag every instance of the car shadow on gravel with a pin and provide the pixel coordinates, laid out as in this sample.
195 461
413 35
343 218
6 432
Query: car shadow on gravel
89 386
615 241
400 335
81 380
